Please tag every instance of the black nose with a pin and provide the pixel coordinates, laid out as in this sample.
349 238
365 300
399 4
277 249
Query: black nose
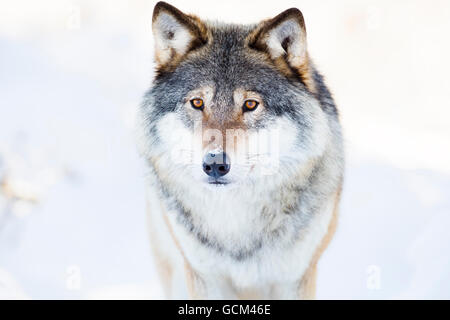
216 164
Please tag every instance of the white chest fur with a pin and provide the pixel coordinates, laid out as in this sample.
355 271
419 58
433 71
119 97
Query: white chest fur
235 224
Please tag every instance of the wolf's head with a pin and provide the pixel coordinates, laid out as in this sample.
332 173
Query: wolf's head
232 105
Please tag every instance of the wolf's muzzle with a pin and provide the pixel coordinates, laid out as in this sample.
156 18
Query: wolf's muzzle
216 164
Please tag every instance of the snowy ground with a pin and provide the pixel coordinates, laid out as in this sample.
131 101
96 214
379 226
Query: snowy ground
72 73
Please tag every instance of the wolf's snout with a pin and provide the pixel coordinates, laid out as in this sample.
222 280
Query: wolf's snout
216 164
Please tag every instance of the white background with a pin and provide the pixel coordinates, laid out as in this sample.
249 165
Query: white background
72 218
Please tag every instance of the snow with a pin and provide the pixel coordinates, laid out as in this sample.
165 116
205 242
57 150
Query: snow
72 217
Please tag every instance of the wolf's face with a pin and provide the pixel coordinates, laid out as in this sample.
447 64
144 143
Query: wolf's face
231 105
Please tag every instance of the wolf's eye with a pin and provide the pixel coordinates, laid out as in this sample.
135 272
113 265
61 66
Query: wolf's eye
250 105
197 104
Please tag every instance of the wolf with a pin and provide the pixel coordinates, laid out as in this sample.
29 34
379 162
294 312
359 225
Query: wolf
244 157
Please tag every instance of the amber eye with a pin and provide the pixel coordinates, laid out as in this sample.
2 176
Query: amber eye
250 105
197 103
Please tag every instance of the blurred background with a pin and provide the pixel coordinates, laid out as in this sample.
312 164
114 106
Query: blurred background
72 207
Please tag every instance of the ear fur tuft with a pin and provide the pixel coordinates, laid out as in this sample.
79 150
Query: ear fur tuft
175 34
283 38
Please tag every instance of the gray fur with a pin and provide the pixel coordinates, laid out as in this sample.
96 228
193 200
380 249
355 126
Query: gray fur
226 63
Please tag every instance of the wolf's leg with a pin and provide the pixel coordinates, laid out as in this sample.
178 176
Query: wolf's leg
164 269
302 289
179 280
168 266
307 286
168 261
164 266
285 291
214 288
195 285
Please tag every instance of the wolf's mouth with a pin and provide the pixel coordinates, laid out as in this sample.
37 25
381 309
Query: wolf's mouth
217 182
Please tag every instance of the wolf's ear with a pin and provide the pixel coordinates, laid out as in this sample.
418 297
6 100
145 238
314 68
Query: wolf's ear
283 38
175 33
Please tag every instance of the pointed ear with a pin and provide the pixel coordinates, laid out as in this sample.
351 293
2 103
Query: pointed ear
175 33
283 38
